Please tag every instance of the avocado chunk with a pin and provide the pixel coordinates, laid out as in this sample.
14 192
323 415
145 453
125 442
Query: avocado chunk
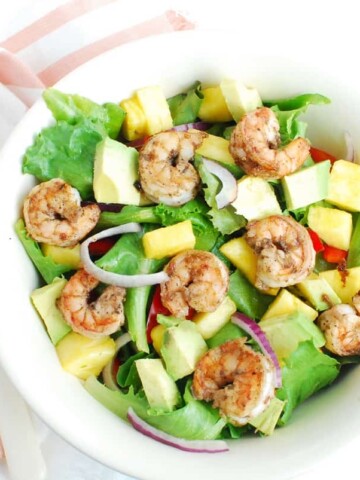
285 332
182 348
307 186
239 98
255 199
160 389
116 174
44 300
318 292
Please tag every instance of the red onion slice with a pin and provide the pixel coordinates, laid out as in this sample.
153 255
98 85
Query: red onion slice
253 329
228 192
349 144
107 372
111 278
195 446
189 126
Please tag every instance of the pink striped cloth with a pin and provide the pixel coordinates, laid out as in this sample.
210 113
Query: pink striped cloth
63 37
70 33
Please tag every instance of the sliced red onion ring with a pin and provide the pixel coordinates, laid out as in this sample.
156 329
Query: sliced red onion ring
189 126
228 192
349 144
107 372
111 278
195 446
253 329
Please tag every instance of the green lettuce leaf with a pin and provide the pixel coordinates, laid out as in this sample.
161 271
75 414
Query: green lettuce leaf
185 107
353 258
195 211
127 257
46 266
230 331
73 108
195 421
246 297
288 110
226 221
65 151
307 370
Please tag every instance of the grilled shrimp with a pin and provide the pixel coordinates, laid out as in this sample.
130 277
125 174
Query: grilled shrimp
53 214
255 142
166 174
198 280
96 318
236 379
341 327
284 250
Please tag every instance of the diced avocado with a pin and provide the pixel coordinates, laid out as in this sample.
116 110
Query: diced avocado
209 323
84 356
285 332
332 225
116 174
134 125
318 292
287 303
345 284
267 420
182 347
213 107
44 300
306 186
344 184
160 389
239 98
156 109
168 241
215 148
64 255
255 199
243 257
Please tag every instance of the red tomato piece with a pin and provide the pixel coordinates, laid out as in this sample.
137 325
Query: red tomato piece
320 155
334 255
316 241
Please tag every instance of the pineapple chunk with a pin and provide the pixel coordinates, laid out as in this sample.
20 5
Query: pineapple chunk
242 256
134 125
318 292
286 303
344 183
209 323
156 109
213 107
157 337
83 356
345 285
63 255
168 241
332 225
215 148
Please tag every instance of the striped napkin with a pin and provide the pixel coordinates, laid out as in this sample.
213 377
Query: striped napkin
50 39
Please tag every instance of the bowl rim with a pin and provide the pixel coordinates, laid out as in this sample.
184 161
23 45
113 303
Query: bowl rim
156 459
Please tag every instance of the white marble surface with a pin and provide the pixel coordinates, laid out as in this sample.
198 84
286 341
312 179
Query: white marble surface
285 25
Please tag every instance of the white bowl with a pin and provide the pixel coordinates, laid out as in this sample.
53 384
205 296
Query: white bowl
174 61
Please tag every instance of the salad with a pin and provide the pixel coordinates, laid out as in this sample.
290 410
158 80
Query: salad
199 259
